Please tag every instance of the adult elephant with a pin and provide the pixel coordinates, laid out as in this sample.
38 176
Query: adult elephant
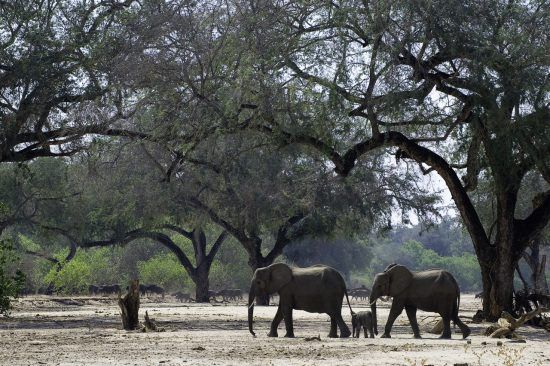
433 290
316 289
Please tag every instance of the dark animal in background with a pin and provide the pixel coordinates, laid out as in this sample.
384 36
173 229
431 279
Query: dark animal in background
236 293
93 289
142 289
433 290
231 294
212 295
154 289
360 293
362 319
109 289
182 297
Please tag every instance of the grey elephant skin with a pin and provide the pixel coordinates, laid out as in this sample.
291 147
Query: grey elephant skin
434 290
362 319
316 289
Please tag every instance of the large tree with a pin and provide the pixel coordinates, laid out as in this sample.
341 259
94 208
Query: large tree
57 84
458 87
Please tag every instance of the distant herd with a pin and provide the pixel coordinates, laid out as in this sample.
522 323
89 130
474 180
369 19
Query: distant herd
223 295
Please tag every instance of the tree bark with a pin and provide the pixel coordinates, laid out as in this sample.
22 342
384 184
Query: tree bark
202 284
255 263
537 265
129 306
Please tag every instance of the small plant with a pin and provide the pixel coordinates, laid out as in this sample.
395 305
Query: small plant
412 362
507 356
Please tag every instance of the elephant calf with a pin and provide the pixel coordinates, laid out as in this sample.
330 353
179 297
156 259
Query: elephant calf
362 319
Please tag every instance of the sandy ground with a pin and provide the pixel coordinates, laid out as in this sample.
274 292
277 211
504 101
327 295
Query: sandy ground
43 331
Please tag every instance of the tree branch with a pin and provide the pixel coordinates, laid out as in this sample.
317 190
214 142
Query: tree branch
161 238
216 246
530 227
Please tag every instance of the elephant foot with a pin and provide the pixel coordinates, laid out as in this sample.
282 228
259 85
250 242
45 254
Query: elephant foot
272 334
385 335
332 335
445 336
466 332
289 335
417 336
345 333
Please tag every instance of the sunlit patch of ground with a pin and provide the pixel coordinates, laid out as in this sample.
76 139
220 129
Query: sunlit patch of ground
42 331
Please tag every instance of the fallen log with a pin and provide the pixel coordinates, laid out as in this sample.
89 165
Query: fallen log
507 324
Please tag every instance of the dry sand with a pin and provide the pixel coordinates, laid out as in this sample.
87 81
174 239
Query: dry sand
42 331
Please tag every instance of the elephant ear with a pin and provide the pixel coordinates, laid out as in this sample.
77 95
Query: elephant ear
279 275
400 279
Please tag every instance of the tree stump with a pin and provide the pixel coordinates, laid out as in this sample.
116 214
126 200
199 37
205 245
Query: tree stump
129 306
150 323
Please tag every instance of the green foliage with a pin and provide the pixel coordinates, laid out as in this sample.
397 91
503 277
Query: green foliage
11 280
230 269
164 270
464 268
97 266
417 257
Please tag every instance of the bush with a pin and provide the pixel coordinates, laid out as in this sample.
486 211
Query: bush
464 268
96 266
164 270
11 279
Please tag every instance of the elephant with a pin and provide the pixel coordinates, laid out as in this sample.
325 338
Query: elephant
362 319
316 289
434 290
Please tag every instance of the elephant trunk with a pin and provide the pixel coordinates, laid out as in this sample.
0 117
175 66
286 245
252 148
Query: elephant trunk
372 300
251 297
374 321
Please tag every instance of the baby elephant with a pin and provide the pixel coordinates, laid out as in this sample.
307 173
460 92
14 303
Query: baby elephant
362 319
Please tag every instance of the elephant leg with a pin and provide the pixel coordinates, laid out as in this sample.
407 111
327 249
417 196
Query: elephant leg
371 332
446 327
287 315
275 323
332 333
411 314
344 330
463 327
396 309
365 331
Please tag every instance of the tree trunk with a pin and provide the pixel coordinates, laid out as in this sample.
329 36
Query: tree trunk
129 306
202 283
537 264
258 261
541 285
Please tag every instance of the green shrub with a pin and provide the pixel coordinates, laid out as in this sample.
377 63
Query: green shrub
464 268
95 266
164 270
11 279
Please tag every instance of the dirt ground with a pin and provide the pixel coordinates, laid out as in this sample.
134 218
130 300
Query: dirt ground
87 331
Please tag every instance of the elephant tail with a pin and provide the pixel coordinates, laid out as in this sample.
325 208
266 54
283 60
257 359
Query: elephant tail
347 299
457 305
